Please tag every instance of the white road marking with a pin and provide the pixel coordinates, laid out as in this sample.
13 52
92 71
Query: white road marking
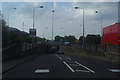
59 58
84 67
74 65
114 70
70 61
68 58
42 71
68 66
82 71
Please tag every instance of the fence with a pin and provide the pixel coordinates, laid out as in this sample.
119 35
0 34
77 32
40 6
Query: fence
91 47
109 52
17 50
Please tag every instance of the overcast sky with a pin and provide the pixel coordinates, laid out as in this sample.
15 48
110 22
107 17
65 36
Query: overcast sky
65 17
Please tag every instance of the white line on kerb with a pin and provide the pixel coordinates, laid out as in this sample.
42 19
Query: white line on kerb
68 66
84 67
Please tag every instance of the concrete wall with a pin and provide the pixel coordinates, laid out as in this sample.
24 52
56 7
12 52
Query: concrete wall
113 52
80 51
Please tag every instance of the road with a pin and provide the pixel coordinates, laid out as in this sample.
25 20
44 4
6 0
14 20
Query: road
64 66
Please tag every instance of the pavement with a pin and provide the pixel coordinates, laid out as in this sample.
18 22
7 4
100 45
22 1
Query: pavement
63 66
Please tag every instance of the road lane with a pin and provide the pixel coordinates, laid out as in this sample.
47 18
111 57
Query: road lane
56 66
100 67
26 70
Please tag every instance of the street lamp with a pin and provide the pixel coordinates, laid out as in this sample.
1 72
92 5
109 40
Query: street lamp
34 19
34 14
83 24
8 14
52 23
44 31
101 23
8 24
0 15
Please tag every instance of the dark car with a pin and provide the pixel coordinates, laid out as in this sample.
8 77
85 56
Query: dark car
60 52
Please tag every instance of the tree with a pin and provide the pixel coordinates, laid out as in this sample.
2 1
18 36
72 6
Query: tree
59 39
81 39
4 32
93 39
70 39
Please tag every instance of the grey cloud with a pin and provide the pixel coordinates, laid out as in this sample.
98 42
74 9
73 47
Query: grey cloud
66 16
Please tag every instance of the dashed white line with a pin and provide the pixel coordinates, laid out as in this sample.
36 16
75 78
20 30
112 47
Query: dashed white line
82 71
42 71
84 67
68 66
114 70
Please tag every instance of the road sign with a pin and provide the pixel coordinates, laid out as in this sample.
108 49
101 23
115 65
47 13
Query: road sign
32 32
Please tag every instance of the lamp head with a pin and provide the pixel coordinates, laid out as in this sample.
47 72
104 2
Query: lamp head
41 7
96 11
76 7
53 11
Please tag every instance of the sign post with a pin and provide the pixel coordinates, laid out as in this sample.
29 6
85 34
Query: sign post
32 33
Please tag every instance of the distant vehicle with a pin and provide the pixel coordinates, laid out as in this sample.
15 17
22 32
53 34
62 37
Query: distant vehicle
59 52
51 49
67 43
111 34
38 42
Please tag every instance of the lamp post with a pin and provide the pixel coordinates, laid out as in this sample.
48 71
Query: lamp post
101 23
83 24
34 15
23 26
8 14
52 23
44 31
34 19
0 15
8 25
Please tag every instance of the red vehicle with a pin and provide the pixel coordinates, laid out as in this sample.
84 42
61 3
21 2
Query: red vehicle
111 34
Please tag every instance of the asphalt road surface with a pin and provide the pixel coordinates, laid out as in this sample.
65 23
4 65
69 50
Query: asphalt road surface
64 66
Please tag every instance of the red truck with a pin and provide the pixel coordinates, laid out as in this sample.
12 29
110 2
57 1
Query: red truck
111 34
